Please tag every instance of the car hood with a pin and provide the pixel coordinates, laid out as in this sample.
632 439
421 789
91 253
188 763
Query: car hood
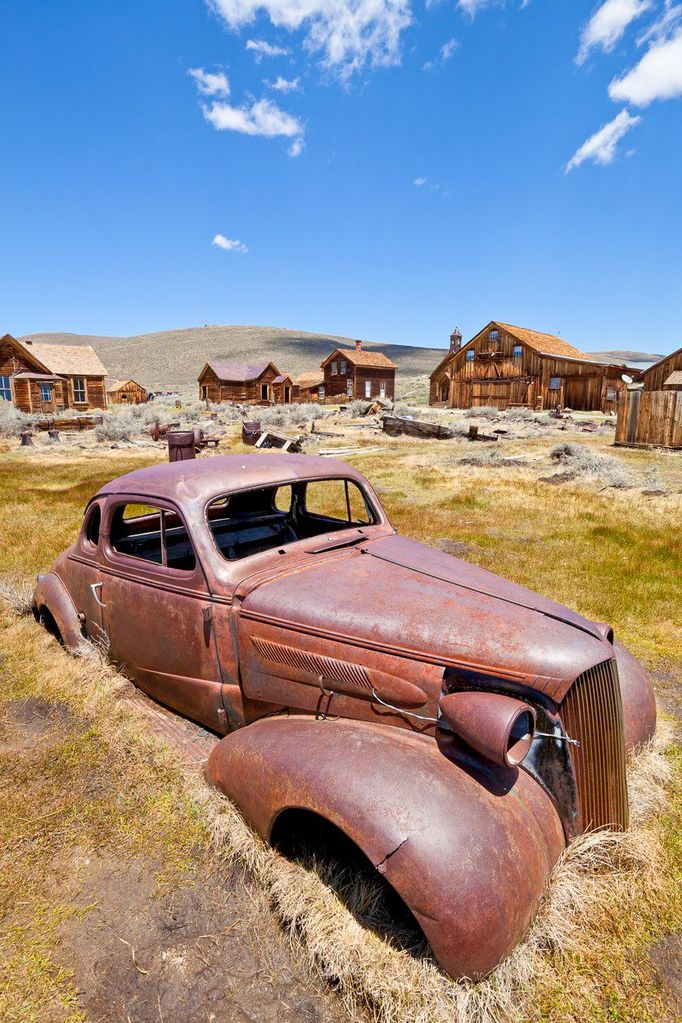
396 595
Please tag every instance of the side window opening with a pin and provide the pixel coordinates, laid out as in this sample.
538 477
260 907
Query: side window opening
152 534
92 525
337 501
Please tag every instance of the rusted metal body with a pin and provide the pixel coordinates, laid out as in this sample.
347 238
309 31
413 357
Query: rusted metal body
459 728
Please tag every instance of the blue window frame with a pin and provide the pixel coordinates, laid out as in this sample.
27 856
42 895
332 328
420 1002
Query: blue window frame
493 335
470 355
46 392
517 351
5 387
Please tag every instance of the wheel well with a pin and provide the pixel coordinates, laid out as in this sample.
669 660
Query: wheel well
48 620
315 842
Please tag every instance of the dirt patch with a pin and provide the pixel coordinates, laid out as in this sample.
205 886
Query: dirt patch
209 951
666 955
33 721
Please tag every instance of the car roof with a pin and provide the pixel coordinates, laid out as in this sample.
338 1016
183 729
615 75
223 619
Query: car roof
202 479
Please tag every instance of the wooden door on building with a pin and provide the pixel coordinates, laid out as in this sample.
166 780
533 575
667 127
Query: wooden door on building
491 392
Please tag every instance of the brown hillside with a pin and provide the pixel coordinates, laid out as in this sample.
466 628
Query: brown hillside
173 358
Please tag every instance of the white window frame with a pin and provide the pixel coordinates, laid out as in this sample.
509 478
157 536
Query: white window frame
555 383
349 387
517 352
343 367
368 388
84 399
6 386
49 388
334 369
470 355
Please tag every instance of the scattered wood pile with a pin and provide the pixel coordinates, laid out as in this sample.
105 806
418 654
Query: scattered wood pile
395 426
67 423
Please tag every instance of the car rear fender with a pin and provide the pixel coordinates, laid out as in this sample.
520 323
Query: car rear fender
468 848
52 596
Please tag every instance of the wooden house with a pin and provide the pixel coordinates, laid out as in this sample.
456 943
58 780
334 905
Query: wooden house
283 389
503 366
238 382
309 387
354 373
48 378
652 415
126 392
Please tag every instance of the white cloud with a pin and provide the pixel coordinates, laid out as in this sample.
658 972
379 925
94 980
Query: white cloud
261 117
263 49
210 84
229 244
444 54
348 34
601 147
419 182
657 76
664 25
284 84
608 24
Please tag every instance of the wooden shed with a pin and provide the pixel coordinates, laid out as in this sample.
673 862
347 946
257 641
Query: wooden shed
503 366
354 373
283 389
309 387
248 384
652 415
50 378
126 392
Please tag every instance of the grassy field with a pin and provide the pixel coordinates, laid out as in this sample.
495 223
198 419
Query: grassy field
80 780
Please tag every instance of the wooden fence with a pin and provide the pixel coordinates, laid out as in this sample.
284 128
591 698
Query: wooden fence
650 417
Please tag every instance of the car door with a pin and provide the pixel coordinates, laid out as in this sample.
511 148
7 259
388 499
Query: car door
84 581
157 611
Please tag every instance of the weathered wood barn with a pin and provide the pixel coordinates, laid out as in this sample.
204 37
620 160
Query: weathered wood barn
283 389
652 415
232 381
126 392
354 373
307 387
50 378
503 366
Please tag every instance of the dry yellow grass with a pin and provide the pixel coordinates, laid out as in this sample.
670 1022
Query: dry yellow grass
611 896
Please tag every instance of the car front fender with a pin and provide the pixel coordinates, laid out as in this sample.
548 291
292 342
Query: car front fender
51 594
468 848
637 694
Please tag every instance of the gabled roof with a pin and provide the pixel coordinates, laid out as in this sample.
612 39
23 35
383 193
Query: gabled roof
674 380
120 385
67 360
238 372
661 361
282 377
544 344
361 358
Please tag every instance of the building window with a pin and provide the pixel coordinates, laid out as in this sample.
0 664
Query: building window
264 392
334 369
46 392
79 394
611 394
555 384
349 387
5 388
471 355
494 335
343 368
517 351
320 392
368 388
204 392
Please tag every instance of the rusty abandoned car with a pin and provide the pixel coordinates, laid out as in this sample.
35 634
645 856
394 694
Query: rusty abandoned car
459 729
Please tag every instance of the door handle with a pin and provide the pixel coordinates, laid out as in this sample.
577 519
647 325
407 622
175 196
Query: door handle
94 587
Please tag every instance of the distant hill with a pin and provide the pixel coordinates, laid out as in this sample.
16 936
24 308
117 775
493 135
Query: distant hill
640 360
173 358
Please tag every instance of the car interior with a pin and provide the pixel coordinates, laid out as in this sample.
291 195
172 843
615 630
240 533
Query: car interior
243 523
253 521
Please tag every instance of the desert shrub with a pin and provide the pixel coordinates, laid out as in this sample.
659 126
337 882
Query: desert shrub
286 415
482 457
12 420
358 407
484 412
117 426
409 411
583 461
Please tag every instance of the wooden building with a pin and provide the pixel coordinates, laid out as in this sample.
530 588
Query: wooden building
126 392
48 378
652 415
309 387
353 373
283 389
238 382
503 366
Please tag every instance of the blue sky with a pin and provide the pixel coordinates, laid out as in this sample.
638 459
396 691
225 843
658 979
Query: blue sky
400 168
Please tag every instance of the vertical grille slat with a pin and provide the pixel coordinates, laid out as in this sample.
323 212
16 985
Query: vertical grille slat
592 712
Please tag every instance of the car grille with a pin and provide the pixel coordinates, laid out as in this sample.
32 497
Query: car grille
592 712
